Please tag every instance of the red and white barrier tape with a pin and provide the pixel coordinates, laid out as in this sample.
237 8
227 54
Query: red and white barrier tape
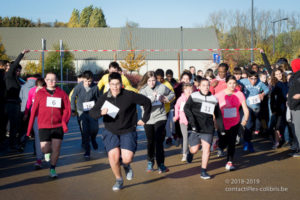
145 50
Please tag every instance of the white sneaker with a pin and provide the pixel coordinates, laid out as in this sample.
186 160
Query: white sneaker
183 158
229 166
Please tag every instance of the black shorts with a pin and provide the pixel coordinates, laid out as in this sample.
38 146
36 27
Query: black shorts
47 134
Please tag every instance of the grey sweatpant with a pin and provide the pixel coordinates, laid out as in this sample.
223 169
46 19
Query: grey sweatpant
295 120
185 144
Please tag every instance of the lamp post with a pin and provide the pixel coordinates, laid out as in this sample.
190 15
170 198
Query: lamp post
273 22
252 31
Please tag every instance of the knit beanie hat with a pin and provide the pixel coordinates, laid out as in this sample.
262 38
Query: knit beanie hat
295 65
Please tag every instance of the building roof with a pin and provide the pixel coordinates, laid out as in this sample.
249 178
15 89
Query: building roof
16 39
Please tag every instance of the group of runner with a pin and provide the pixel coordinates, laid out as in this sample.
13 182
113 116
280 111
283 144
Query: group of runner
191 112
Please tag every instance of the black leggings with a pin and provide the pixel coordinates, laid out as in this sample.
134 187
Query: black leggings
228 140
155 137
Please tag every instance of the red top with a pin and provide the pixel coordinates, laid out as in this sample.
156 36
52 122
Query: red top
50 116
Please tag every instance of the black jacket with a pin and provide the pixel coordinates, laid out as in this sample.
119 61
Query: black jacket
278 98
126 119
199 121
13 85
2 85
294 88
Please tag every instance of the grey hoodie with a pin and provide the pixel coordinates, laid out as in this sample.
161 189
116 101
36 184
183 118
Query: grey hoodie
30 83
158 112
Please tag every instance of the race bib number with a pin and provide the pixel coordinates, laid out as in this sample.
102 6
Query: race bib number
182 106
207 108
88 105
254 100
230 112
156 102
53 102
112 109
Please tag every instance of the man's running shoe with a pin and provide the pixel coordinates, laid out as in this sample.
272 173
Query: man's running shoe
204 175
128 172
118 185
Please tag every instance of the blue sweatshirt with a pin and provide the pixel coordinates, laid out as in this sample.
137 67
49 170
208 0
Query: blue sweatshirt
250 90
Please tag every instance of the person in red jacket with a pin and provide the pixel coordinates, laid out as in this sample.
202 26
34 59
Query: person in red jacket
53 108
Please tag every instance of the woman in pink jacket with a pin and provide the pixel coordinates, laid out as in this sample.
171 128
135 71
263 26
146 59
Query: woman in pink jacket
39 84
179 114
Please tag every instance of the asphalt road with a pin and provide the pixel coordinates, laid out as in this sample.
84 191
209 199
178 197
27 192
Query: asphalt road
265 174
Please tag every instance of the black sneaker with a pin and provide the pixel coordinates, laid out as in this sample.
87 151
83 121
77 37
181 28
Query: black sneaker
87 155
205 175
189 157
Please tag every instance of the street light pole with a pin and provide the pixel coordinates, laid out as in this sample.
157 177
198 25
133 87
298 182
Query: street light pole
273 22
252 31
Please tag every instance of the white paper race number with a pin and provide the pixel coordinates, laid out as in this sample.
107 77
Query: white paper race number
53 102
230 112
207 108
156 102
182 106
88 105
254 100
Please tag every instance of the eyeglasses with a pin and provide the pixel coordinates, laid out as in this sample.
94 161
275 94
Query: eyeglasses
253 79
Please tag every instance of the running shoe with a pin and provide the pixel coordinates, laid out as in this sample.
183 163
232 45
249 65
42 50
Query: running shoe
183 157
38 164
229 166
204 175
162 169
296 155
189 157
276 145
118 185
128 172
87 155
52 173
220 153
150 167
47 157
